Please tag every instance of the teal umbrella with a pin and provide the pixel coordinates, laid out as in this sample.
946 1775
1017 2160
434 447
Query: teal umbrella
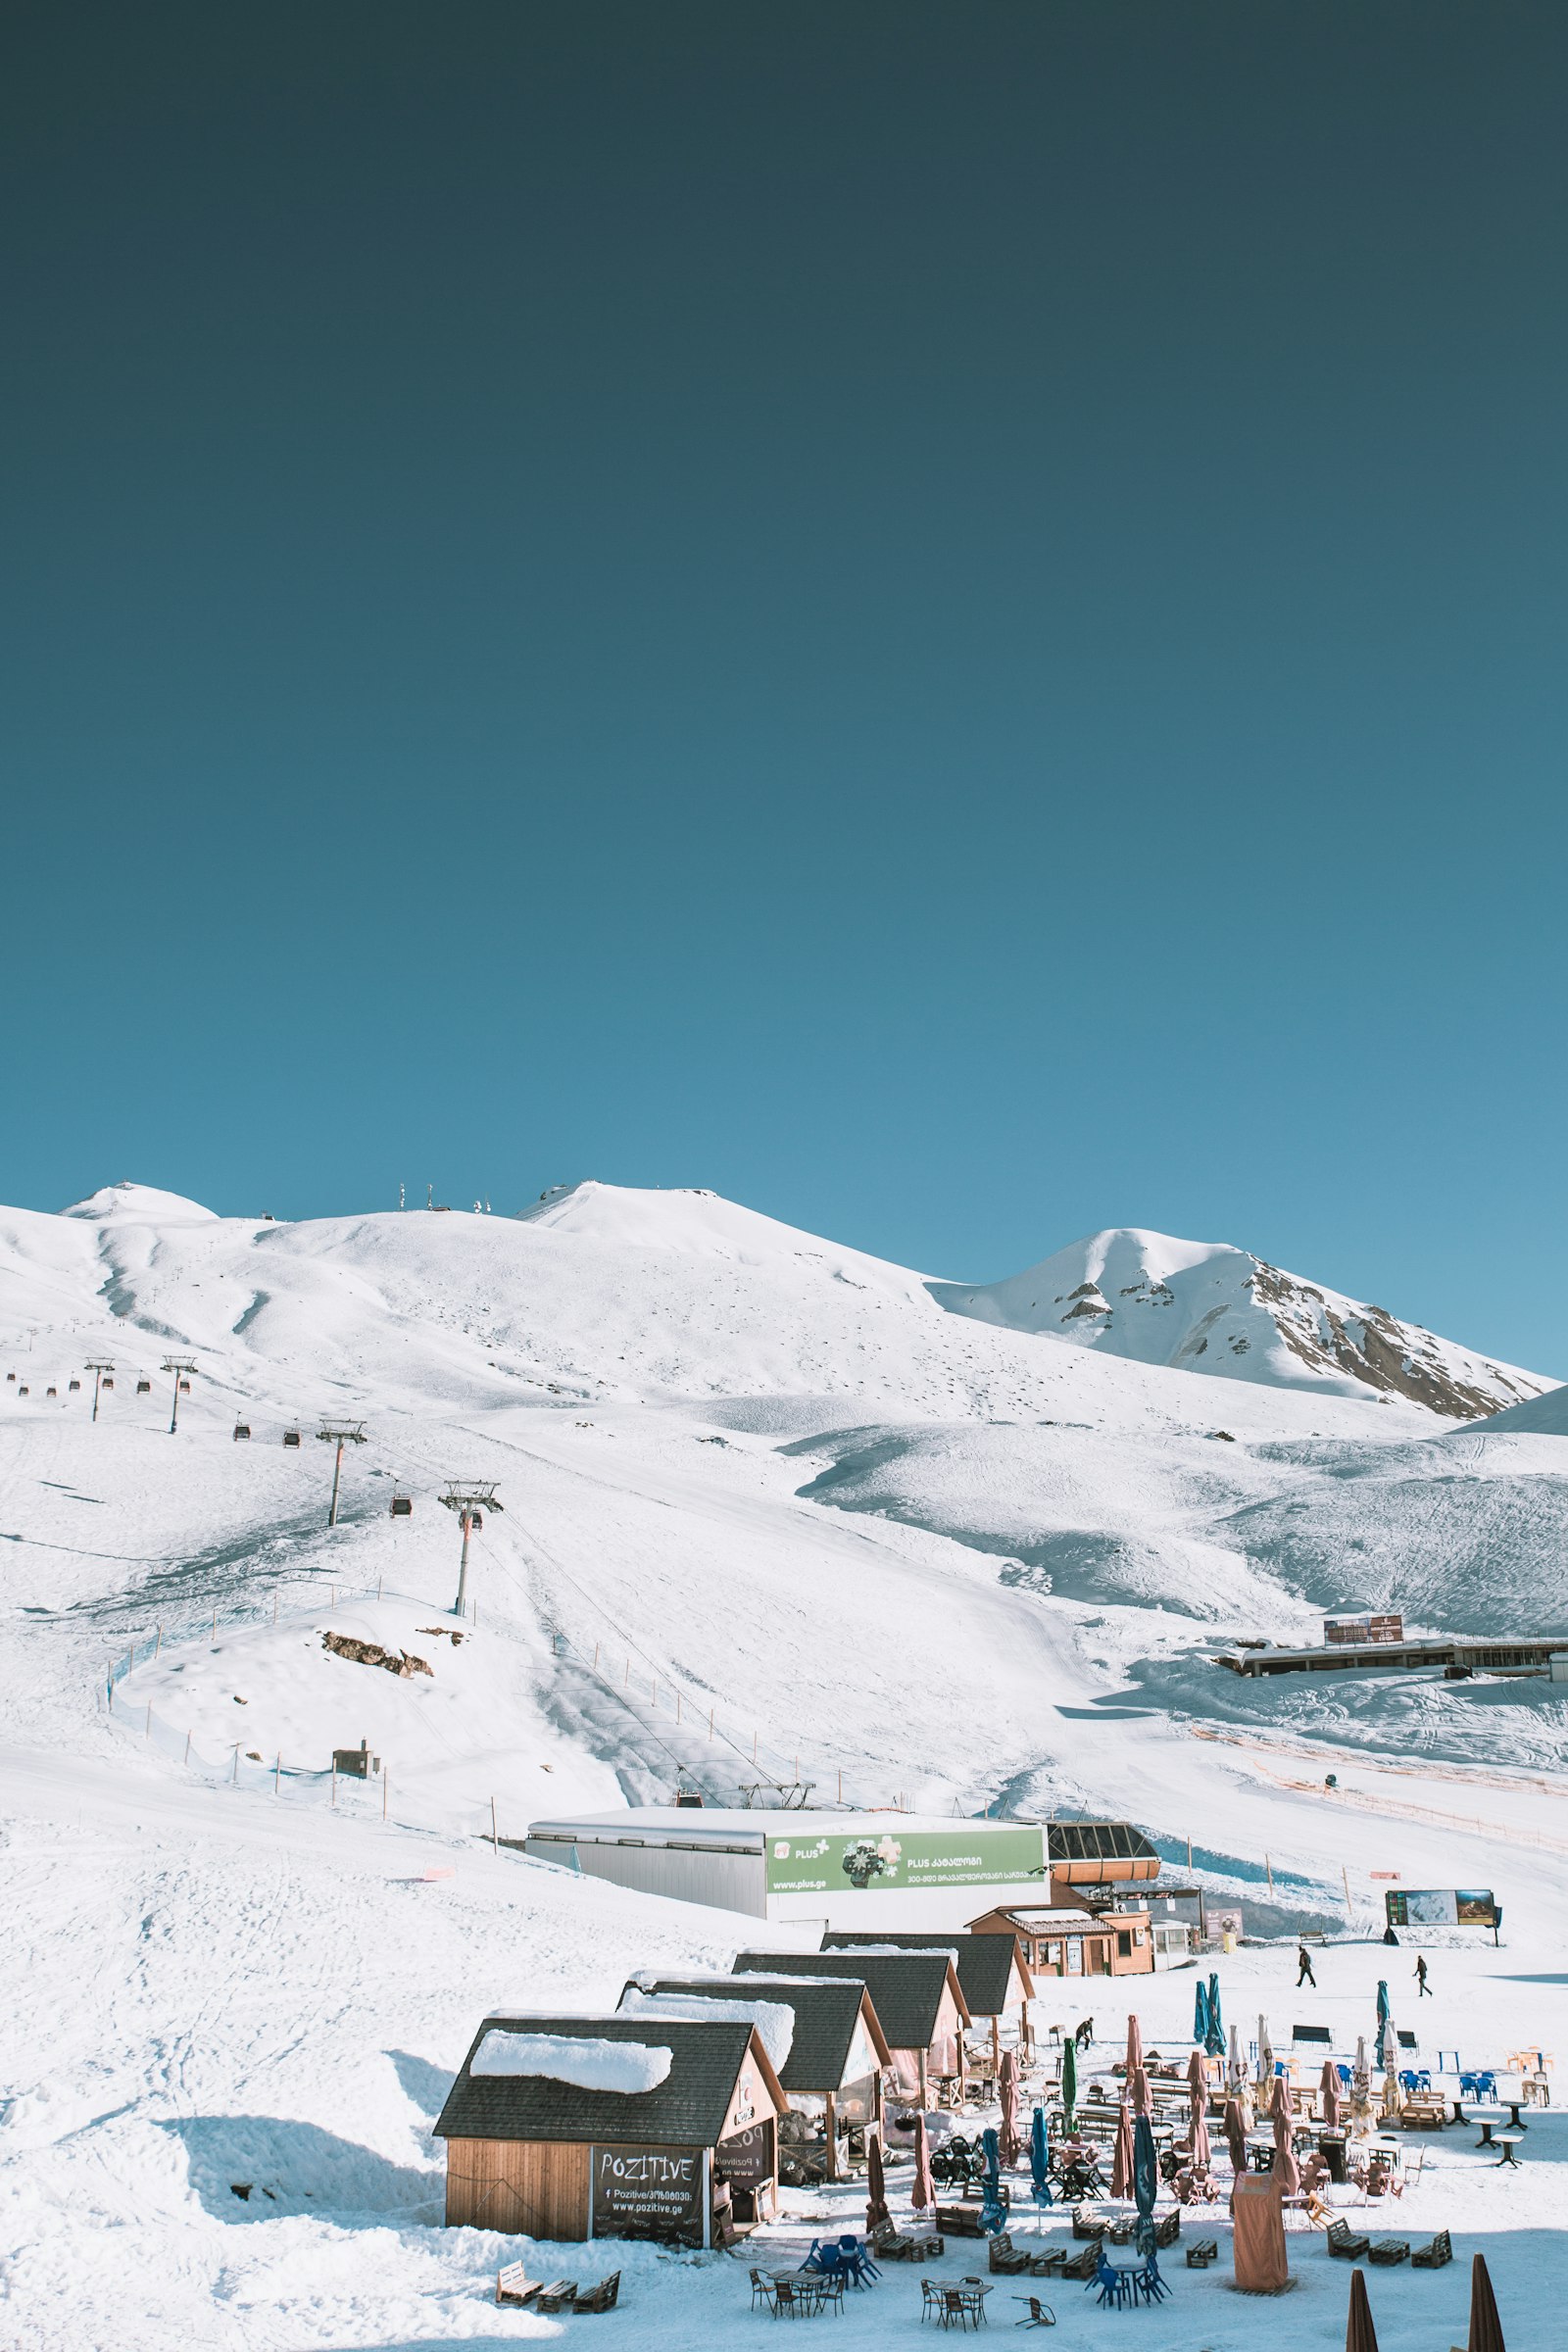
1145 2184
1040 2160
1069 2080
1201 2015
993 2214
1383 2006
1215 2044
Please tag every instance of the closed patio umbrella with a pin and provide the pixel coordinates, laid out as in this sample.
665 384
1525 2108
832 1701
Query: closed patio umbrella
1286 2172
1007 2092
1040 2159
1121 2164
1486 2329
1361 2077
1200 2014
1265 2060
923 2195
1359 2333
1331 2095
1197 2091
1145 2184
1236 2137
1135 2045
1215 2041
992 2214
1069 2081
1233 2069
876 2198
1143 2104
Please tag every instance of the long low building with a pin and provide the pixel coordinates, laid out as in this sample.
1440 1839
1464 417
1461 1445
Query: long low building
878 1871
1465 1657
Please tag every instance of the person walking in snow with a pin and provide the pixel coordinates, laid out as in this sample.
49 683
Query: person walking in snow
1422 1988
1303 1968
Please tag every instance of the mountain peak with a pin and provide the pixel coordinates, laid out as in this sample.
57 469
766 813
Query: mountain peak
1211 1307
140 1205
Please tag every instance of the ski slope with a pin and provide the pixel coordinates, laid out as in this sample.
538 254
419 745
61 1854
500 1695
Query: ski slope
771 1512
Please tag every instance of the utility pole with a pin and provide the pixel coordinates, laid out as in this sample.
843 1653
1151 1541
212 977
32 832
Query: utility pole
470 1500
97 1367
340 1434
182 1366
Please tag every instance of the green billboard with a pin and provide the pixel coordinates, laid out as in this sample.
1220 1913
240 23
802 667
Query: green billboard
880 1861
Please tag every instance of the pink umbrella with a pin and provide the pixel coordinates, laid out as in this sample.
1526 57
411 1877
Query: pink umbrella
1235 2137
1121 2167
1286 2169
923 2195
1009 2143
1197 2091
1331 2095
1138 2086
1135 2046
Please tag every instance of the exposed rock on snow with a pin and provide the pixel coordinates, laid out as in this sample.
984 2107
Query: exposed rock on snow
371 1653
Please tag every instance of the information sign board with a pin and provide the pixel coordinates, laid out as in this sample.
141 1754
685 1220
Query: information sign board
970 1854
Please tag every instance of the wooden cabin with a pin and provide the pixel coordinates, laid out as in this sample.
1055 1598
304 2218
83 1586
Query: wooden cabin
1059 1942
916 1995
836 2053
993 1969
530 2152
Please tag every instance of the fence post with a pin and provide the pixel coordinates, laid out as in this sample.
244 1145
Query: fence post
385 1780
1269 1866
159 1644
596 1657
187 1747
378 1588
236 1764
335 1776
495 1842
148 1731
215 1621
275 1605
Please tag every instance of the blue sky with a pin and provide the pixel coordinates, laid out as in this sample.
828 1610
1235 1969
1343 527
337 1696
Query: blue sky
947 620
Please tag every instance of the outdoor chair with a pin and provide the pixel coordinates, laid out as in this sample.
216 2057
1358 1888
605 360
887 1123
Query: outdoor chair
1168 2229
797 2298
1388 2250
1088 2224
1433 2256
762 2290
1113 2283
1037 2315
603 2297
1082 2265
855 2260
1202 2252
513 2285
1006 2259
1343 2241
556 2296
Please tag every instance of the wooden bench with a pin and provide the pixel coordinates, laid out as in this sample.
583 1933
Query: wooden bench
1006 2259
556 2296
1343 2241
514 2285
1202 2252
1388 2250
1433 2256
603 2297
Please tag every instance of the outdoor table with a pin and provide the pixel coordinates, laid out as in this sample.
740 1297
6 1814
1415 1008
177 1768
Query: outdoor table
1514 2106
1507 2142
1486 2119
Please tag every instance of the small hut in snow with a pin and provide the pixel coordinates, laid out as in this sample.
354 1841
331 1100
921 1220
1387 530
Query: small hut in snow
916 1995
834 2052
611 2127
993 1971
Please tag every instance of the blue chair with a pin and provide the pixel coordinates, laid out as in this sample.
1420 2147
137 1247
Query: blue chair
825 2261
1148 2282
1117 2291
855 2260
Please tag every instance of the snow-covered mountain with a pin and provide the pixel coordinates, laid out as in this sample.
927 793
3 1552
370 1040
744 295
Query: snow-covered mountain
1205 1306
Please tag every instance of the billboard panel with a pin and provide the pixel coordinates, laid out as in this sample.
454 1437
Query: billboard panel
1440 1907
969 1855
647 2193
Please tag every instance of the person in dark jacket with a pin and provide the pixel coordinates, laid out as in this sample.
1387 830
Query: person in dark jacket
1422 1988
1303 1968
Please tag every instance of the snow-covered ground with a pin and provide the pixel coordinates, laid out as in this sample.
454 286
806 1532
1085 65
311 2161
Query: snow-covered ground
762 1497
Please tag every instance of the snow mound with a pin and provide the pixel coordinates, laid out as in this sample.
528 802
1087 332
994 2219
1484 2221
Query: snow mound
140 1205
586 2062
773 2020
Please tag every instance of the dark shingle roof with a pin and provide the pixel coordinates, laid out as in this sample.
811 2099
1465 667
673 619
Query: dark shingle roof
688 2109
825 2016
905 1988
984 1963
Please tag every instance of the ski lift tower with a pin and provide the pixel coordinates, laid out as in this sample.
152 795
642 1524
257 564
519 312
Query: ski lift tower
184 1368
340 1434
98 1365
470 1499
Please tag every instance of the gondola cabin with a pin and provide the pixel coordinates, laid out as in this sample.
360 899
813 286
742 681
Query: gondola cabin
833 2054
242 1429
144 1388
570 2127
402 1506
291 1436
51 1392
107 1385
72 1386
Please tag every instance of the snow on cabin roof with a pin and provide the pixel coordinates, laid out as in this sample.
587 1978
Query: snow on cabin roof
827 2012
774 2020
688 2108
984 1963
905 1988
